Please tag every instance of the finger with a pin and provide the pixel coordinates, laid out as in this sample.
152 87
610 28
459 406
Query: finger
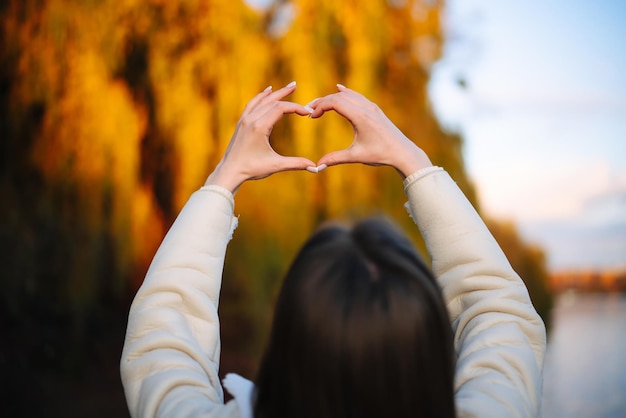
337 157
313 104
263 118
280 93
256 99
351 93
337 102
292 163
273 112
347 95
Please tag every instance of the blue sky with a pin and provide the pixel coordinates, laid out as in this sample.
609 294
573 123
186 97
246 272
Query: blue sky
543 118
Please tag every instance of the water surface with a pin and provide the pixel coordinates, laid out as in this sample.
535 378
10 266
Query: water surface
585 368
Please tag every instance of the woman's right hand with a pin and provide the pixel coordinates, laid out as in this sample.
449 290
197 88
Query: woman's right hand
377 141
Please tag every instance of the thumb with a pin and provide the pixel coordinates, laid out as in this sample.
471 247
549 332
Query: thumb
337 157
294 163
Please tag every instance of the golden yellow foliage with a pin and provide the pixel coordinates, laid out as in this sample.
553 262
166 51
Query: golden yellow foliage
117 110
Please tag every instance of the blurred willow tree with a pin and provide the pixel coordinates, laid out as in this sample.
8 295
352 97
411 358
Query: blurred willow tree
113 112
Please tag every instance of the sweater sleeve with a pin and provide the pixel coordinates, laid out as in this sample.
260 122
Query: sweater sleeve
499 337
170 359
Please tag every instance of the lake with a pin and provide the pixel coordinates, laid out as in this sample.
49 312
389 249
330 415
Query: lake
585 367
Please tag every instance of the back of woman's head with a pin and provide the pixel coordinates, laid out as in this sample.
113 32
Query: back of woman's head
360 330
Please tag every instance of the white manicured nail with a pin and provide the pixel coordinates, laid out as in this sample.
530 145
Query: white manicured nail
268 88
290 85
341 86
309 109
316 169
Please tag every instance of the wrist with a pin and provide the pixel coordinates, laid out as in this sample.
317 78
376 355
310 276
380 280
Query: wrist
412 160
222 176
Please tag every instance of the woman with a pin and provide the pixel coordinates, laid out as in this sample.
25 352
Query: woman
385 347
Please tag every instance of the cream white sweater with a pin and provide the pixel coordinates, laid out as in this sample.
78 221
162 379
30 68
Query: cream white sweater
170 359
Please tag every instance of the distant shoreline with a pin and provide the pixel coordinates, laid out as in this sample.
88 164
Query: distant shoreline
588 281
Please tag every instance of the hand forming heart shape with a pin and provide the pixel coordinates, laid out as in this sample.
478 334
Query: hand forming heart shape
377 141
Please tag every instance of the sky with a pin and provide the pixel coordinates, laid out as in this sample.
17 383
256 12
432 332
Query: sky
538 91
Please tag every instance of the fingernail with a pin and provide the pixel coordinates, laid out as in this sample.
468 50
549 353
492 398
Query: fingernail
321 167
290 85
341 86
268 88
309 109
312 169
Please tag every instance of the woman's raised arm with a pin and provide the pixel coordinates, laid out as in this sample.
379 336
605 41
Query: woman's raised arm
499 337
170 359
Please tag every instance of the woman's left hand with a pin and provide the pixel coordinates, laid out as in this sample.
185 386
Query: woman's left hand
249 155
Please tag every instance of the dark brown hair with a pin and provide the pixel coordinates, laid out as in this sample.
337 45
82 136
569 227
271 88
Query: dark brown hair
360 330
